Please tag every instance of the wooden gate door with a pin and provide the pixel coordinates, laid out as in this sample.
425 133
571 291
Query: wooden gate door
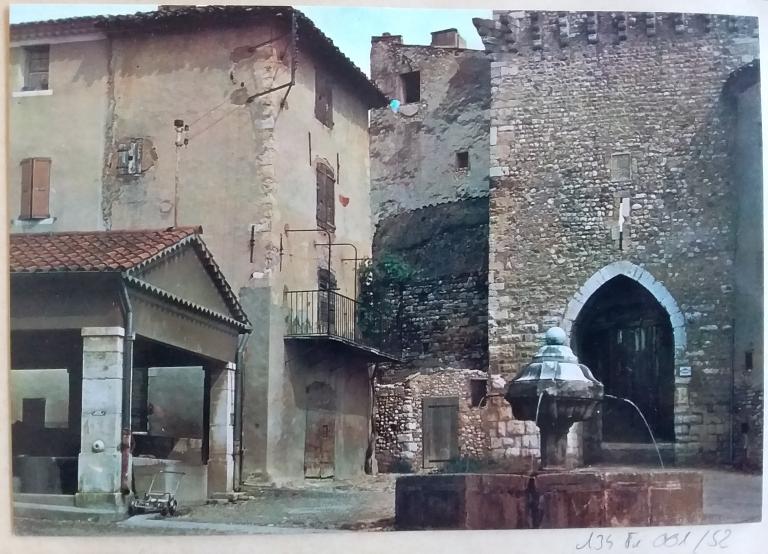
320 443
635 364
440 427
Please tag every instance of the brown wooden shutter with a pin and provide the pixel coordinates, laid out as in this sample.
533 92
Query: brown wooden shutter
323 99
35 188
41 187
330 201
440 430
320 196
26 189
325 200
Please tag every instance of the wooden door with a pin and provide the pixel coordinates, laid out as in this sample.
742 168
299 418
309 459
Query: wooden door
634 362
440 430
320 439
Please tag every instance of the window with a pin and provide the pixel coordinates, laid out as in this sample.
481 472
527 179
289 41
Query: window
139 403
462 161
621 167
326 308
478 388
33 412
129 157
35 188
36 63
749 363
323 99
411 86
325 197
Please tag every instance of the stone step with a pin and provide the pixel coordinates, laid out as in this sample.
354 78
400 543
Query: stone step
226 497
46 499
64 513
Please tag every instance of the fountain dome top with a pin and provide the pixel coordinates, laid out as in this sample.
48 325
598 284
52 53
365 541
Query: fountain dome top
555 335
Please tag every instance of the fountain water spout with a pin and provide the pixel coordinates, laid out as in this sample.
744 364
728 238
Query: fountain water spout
647 426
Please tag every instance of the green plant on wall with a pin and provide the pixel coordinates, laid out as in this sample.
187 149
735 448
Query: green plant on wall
382 282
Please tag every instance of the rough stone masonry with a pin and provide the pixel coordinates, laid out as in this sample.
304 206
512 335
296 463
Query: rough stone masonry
620 145
589 109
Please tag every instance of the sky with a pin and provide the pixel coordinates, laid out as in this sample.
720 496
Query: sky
350 29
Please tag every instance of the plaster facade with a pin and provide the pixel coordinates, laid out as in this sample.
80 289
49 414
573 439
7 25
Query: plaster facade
245 172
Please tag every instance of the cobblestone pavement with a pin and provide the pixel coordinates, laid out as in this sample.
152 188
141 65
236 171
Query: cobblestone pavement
368 505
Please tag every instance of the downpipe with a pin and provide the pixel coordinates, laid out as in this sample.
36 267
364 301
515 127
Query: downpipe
240 385
125 421
732 410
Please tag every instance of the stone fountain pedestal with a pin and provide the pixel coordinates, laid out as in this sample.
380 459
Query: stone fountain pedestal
555 391
608 497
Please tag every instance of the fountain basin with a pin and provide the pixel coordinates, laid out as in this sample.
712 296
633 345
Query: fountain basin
619 497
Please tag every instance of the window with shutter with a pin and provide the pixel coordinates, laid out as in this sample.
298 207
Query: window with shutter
325 202
129 157
37 66
323 99
326 308
35 188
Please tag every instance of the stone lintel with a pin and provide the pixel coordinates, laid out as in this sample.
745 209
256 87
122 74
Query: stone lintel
103 331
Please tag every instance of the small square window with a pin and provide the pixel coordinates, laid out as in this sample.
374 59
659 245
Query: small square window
36 66
411 86
621 167
462 161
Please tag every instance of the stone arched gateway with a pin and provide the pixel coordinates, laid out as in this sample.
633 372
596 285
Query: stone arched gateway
644 278
628 328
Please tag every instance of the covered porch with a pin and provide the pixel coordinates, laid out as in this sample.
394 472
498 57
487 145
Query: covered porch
124 352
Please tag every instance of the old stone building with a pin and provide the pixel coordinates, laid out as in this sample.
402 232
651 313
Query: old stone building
249 122
625 205
429 188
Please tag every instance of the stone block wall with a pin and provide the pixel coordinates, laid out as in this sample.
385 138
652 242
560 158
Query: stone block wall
442 324
590 108
399 418
486 433
439 318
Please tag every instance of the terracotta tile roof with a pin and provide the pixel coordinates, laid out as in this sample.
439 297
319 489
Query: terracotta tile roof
91 251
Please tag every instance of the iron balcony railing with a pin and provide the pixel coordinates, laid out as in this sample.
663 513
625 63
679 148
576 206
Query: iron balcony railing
328 313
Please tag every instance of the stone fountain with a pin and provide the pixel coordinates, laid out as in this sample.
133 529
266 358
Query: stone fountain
555 391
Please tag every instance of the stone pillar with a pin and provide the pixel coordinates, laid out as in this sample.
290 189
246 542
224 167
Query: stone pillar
221 444
99 462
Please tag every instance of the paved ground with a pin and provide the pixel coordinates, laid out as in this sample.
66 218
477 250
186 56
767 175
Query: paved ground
729 497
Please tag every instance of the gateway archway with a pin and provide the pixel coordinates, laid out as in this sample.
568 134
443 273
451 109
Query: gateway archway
625 337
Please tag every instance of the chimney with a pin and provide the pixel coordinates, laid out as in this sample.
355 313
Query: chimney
386 37
174 7
448 38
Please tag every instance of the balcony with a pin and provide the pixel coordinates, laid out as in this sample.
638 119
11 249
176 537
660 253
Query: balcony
328 315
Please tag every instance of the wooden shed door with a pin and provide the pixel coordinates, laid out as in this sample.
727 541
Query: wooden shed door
440 427
320 443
